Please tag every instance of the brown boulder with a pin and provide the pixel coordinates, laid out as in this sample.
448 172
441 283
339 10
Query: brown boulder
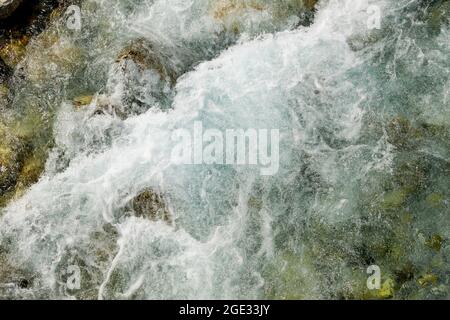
150 205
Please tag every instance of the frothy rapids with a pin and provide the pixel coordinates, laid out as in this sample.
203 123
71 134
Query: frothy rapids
363 116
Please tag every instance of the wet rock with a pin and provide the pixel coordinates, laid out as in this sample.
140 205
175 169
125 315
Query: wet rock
82 101
410 174
435 242
144 76
255 203
30 173
360 42
436 200
14 281
235 14
23 153
150 205
14 51
227 8
387 289
82 267
428 279
304 9
5 72
436 14
11 160
29 19
4 91
289 278
50 58
404 273
7 7
395 199
145 56
402 135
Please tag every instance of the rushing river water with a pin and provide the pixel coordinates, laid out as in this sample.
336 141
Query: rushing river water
363 115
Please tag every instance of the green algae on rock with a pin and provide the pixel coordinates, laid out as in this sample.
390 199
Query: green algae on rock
11 159
14 51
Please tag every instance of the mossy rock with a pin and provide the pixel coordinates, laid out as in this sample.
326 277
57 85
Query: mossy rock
5 72
302 8
438 14
4 94
82 101
30 173
402 134
435 242
224 9
11 274
255 203
4 91
232 13
92 257
31 124
395 199
23 152
428 279
51 55
410 174
14 51
387 290
11 159
436 200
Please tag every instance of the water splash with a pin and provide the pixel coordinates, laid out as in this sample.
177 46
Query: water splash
340 201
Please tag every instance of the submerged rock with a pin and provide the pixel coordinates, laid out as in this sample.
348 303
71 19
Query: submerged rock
62 58
91 260
23 153
14 51
437 14
150 205
428 279
289 278
31 170
410 173
11 160
237 15
304 9
14 281
402 135
436 200
395 199
82 101
144 55
435 242
27 21
5 71
226 9
143 78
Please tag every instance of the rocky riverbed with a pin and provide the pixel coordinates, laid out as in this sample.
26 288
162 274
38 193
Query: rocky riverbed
87 115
